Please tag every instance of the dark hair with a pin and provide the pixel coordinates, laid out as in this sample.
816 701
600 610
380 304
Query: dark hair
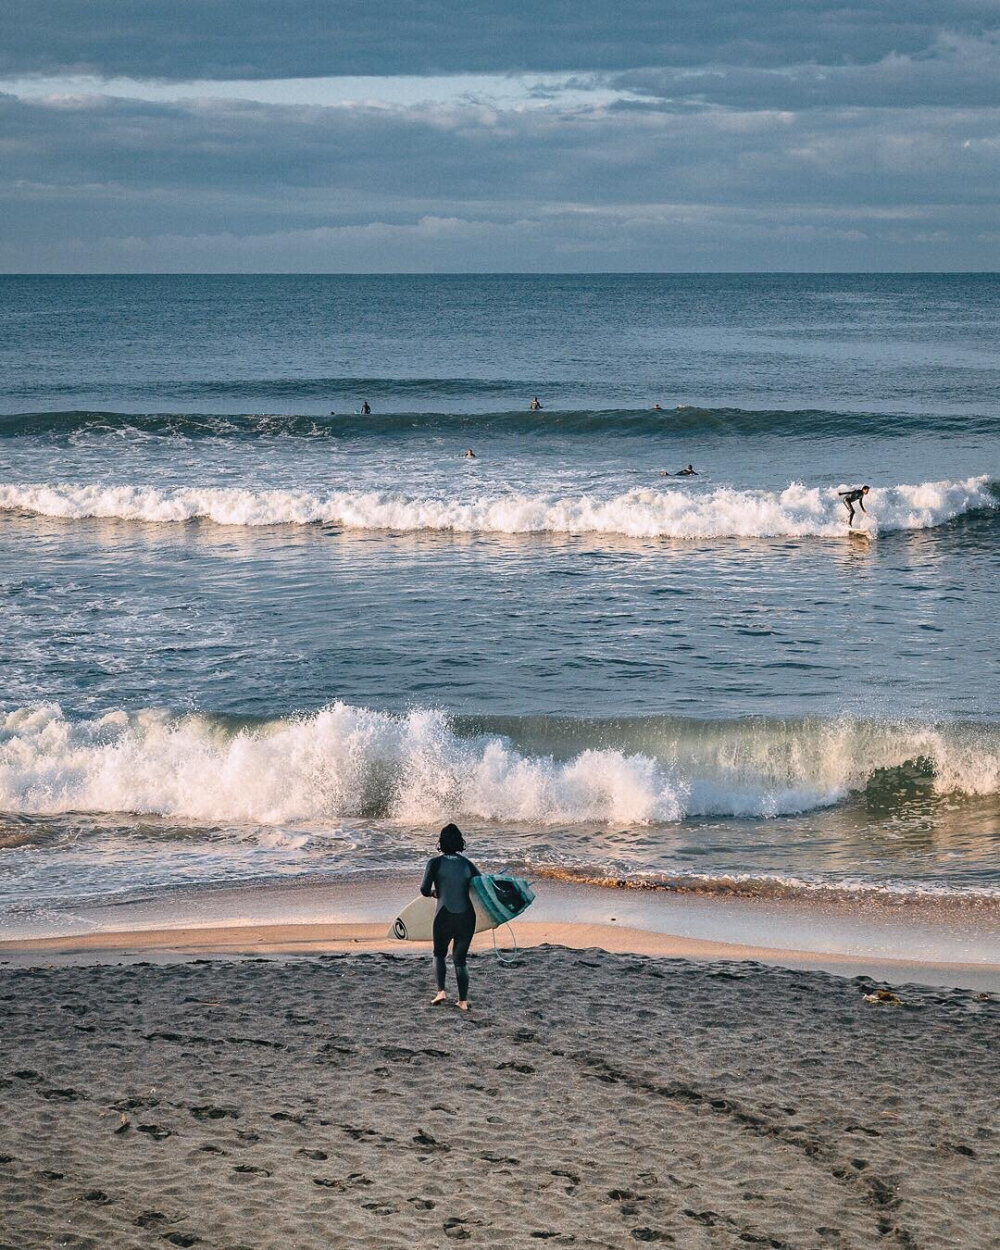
451 840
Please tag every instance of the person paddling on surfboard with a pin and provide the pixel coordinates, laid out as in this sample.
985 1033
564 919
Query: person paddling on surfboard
447 878
852 497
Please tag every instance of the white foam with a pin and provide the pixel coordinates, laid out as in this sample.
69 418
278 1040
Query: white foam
670 512
349 762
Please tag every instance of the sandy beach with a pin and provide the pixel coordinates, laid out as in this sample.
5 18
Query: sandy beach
590 1099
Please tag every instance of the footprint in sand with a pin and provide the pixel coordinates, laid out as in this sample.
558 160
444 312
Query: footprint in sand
214 1113
154 1130
148 1219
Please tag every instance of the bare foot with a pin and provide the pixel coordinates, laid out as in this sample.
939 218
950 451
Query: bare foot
440 997
462 1004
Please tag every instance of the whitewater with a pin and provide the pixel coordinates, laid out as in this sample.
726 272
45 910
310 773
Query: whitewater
419 768
686 512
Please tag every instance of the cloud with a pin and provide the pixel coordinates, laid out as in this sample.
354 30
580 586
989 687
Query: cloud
753 136
673 238
376 159
953 71
125 184
231 39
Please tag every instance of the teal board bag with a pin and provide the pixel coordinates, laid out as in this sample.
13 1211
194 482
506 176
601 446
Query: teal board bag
502 898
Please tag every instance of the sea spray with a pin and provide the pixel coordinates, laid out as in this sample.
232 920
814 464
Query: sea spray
420 768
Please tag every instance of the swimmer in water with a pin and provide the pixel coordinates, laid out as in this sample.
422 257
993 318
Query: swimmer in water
852 497
657 408
470 454
690 471
366 408
536 404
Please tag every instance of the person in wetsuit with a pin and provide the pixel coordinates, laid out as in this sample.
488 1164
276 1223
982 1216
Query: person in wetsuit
447 878
366 408
852 497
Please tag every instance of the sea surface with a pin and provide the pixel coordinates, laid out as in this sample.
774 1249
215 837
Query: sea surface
247 633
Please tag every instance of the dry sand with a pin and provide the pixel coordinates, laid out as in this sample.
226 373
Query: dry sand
591 1099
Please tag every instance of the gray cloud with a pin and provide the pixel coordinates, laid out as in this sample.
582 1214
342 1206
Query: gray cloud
955 71
669 239
123 184
188 39
436 155
745 137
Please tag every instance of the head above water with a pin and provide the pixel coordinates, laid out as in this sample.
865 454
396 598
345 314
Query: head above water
865 490
451 840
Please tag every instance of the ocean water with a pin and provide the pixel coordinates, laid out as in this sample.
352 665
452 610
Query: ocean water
248 634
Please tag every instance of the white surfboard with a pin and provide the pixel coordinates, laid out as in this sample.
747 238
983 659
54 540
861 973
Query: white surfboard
415 923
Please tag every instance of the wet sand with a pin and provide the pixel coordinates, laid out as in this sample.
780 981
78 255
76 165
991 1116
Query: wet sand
927 943
590 1099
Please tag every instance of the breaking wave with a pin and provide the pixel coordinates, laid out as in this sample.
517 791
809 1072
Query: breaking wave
355 762
691 512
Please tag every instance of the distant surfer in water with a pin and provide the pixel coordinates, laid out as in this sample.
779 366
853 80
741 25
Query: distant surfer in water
366 408
690 471
852 497
470 454
536 404
447 878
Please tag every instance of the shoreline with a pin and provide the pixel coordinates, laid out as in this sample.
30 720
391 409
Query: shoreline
921 946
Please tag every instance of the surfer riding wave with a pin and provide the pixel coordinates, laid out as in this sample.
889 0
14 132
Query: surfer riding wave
852 497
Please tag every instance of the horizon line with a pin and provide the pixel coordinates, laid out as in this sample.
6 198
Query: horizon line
507 273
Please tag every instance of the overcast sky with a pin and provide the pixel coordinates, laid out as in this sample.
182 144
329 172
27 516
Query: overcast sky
433 135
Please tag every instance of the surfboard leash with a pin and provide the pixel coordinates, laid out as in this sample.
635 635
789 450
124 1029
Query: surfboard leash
501 957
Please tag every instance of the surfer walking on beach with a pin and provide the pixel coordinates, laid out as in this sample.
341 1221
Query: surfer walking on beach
447 878
852 497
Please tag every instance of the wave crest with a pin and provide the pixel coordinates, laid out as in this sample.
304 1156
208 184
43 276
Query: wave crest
689 512
569 422
355 762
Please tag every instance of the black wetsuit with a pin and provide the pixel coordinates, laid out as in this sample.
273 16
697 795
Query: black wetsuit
850 498
455 919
